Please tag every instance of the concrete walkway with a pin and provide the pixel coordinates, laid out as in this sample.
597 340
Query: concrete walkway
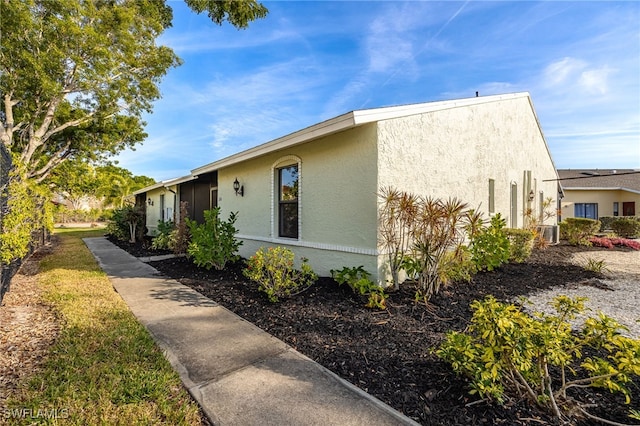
239 374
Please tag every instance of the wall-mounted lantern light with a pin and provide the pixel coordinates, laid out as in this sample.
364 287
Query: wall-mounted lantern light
150 202
531 195
239 189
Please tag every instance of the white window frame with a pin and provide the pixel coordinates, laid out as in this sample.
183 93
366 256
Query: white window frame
287 160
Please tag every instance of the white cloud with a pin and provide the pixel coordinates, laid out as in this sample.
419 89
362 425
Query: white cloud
563 71
595 80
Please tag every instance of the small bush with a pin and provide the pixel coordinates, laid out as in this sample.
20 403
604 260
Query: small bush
162 240
577 230
457 266
626 227
360 282
606 221
275 274
213 243
490 245
595 265
506 351
520 244
127 224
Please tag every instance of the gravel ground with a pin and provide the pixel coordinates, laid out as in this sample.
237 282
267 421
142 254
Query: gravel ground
616 293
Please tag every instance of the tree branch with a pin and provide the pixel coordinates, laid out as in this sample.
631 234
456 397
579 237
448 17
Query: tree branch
57 158
6 135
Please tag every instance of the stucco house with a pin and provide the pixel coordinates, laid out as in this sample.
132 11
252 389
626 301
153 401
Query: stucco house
594 193
315 190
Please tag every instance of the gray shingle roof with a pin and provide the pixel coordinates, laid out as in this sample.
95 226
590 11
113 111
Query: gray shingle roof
627 179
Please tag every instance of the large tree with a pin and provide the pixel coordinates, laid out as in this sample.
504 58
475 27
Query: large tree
77 75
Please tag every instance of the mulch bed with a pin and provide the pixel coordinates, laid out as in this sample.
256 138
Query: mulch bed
389 353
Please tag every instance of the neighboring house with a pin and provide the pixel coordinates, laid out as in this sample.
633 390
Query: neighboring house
594 193
315 190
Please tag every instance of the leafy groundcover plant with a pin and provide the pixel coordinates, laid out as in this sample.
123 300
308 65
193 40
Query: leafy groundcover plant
612 242
359 280
507 353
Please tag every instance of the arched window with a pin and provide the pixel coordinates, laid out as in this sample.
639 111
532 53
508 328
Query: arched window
286 197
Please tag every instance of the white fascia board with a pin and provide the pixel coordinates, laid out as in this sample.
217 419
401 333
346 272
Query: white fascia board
179 180
603 188
149 188
379 114
348 121
164 184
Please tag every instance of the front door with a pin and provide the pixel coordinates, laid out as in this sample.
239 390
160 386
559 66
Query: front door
629 208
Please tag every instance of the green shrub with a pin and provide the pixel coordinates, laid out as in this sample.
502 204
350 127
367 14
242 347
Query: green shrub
509 352
606 221
360 282
457 266
490 245
626 227
578 230
127 224
26 211
275 274
213 243
163 237
520 244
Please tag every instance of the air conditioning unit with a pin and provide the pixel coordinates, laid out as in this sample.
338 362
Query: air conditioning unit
551 233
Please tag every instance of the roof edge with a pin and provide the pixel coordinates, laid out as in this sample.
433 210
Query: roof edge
350 120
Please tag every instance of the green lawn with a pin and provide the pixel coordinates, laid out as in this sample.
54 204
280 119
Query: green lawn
104 367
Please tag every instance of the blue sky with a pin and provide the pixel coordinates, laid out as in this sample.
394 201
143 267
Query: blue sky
310 61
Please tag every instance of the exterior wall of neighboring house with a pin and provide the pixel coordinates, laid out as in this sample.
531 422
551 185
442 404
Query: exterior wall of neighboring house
604 199
455 152
162 207
336 203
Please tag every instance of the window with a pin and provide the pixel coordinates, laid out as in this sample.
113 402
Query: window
288 185
586 210
541 207
514 205
616 209
162 216
492 196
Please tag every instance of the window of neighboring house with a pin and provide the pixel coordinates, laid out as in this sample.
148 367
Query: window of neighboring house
616 208
586 210
162 215
492 196
288 186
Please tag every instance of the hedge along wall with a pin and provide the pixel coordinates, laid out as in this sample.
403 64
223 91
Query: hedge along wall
8 270
26 219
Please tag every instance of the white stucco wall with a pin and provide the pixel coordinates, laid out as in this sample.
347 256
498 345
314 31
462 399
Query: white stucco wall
154 212
336 201
454 153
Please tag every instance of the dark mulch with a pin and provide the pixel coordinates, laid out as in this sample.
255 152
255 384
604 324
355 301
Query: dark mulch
389 353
